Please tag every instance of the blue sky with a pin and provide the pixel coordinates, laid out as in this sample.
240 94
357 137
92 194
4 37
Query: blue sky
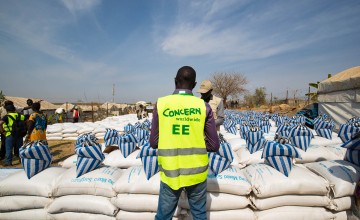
65 50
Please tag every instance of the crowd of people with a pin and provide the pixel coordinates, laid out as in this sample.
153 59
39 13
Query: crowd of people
20 126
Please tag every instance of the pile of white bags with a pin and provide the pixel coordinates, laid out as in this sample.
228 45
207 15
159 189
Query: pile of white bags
23 198
85 197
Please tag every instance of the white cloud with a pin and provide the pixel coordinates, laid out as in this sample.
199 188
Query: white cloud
75 6
203 29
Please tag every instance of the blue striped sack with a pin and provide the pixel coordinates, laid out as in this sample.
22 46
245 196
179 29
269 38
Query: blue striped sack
300 136
89 158
347 131
111 137
217 163
137 125
282 164
87 137
279 156
129 128
273 148
127 144
325 133
35 157
265 128
243 130
140 134
230 126
254 140
353 143
225 151
149 160
284 129
146 124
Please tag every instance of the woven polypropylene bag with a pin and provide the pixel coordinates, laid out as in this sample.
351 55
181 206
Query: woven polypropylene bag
35 157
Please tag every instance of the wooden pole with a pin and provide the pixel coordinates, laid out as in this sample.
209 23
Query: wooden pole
92 111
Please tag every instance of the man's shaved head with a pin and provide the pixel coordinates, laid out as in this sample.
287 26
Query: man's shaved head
185 78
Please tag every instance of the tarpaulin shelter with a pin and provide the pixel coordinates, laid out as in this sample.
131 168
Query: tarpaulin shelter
339 95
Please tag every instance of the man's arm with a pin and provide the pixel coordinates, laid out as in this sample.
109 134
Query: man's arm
220 114
154 134
211 136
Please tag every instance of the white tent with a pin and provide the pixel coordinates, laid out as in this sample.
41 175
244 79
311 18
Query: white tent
339 95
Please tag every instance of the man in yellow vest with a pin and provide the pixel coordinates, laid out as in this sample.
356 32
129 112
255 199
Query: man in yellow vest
215 103
183 129
11 141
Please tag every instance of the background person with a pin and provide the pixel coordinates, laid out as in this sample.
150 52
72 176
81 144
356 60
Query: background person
182 148
216 103
37 125
75 114
11 140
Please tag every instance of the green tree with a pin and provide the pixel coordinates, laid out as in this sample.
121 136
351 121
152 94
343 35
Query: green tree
260 96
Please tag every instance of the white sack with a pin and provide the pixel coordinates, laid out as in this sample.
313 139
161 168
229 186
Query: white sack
66 135
295 213
236 143
231 181
316 153
83 204
133 180
39 185
342 204
70 138
136 202
69 162
342 175
54 138
57 134
245 158
38 214
267 181
116 159
72 129
218 202
98 182
246 214
80 216
290 200
317 140
17 203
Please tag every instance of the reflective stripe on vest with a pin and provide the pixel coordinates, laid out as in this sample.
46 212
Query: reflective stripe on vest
183 159
8 127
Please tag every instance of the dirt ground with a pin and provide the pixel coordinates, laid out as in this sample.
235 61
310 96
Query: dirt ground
60 150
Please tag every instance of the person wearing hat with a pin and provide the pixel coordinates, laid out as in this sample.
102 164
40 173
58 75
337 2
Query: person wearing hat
216 103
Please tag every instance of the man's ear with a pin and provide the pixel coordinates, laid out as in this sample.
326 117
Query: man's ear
194 84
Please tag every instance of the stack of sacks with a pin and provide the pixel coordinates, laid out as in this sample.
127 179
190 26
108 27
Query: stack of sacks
35 157
280 156
86 127
24 198
54 132
244 127
221 160
125 157
301 195
137 196
227 196
324 126
69 131
342 177
348 130
85 197
142 136
352 147
283 130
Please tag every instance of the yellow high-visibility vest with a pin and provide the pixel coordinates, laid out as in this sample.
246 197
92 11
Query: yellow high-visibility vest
182 154
8 127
